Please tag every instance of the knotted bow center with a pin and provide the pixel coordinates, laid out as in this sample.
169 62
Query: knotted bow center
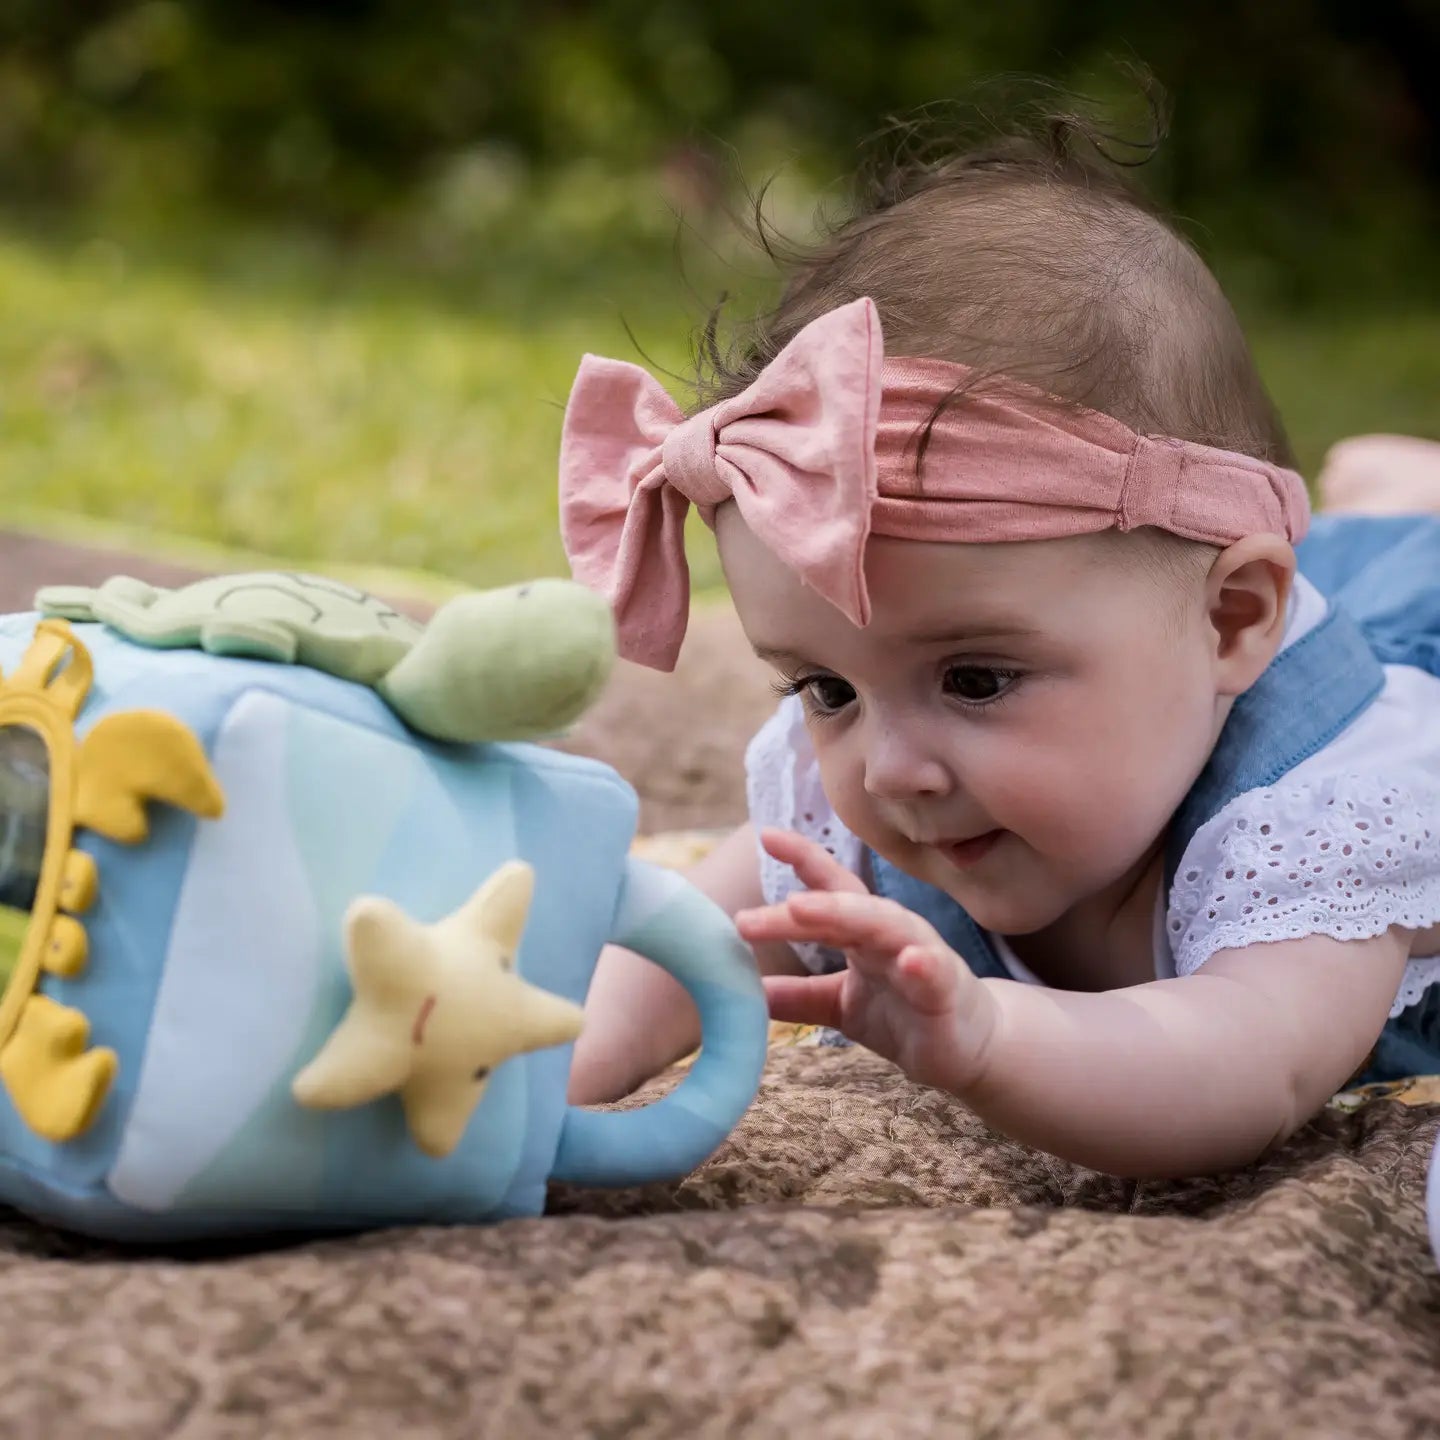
688 454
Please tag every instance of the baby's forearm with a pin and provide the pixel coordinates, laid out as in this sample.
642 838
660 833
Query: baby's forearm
1129 1082
1184 1077
638 1020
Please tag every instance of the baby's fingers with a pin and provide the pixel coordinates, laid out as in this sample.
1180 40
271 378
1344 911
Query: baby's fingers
871 930
817 868
802 1000
929 981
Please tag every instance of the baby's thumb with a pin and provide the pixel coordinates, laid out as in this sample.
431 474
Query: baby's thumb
805 1000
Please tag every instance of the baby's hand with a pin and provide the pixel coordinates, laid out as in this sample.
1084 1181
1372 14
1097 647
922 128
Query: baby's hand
904 993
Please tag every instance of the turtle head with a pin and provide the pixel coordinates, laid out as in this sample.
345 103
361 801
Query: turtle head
509 664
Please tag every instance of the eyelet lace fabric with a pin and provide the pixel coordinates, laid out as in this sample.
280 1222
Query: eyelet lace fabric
1346 856
782 780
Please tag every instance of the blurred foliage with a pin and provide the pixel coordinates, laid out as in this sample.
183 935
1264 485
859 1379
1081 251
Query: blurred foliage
273 393
1306 136
311 278
302 401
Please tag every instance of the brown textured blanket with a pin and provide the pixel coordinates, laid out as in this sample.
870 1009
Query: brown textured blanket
861 1259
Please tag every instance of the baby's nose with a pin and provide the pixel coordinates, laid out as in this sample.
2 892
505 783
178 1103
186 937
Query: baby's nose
901 765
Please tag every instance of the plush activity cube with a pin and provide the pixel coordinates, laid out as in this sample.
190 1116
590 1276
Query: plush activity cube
274 959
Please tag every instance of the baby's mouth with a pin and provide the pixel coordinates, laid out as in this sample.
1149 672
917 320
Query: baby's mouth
963 854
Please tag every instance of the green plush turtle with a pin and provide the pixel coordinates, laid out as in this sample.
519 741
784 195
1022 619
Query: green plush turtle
508 664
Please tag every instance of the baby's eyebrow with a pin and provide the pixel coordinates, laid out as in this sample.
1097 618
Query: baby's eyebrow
942 635
951 634
780 658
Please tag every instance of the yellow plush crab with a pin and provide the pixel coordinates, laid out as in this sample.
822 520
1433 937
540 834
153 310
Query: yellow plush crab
55 1079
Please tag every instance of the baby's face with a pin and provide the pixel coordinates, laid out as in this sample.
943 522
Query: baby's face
1017 723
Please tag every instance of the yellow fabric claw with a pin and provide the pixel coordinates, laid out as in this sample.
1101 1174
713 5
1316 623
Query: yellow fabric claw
138 756
56 1081
436 1008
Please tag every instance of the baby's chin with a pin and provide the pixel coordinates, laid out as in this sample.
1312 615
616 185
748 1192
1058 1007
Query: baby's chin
996 891
1004 912
1014 892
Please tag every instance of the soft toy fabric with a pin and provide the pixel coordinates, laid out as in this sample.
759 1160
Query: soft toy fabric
270 955
508 664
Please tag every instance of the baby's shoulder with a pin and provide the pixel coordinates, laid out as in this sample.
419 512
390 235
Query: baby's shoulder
1345 844
1379 772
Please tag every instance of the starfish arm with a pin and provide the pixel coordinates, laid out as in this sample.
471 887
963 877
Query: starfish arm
367 1056
494 915
541 1019
391 958
437 1110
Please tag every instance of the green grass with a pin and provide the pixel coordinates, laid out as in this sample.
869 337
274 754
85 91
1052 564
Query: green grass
351 418
265 393
1334 376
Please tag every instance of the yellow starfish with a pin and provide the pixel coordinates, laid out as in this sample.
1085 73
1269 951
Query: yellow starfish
436 1008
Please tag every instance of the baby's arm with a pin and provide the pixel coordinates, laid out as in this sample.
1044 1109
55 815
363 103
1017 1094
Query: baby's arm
1188 1076
1175 1077
638 1019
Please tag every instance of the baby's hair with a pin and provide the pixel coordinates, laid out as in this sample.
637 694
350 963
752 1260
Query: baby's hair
1029 255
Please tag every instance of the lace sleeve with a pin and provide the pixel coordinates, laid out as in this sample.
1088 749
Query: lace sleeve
782 781
1346 856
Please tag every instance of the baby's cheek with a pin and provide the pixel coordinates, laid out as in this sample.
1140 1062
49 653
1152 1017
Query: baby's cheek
1056 805
844 786
849 802
1079 807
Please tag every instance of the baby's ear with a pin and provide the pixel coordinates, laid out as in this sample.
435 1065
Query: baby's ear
1247 596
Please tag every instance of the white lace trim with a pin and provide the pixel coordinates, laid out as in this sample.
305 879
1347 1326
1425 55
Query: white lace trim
1419 976
782 781
1346 856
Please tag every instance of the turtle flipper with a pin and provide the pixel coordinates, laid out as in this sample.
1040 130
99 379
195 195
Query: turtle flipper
249 639
67 602
128 592
509 664
129 606
122 602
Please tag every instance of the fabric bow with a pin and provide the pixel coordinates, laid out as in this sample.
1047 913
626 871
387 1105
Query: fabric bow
796 451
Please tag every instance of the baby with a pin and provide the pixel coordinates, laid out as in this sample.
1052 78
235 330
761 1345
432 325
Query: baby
1082 802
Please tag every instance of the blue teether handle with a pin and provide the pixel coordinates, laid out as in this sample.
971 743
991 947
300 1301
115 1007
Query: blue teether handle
665 918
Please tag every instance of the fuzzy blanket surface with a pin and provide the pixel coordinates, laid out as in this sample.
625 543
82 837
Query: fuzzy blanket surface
861 1258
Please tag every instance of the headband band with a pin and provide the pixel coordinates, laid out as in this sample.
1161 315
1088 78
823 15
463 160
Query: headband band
820 452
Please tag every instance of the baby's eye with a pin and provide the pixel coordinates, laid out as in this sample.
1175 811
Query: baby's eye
827 692
975 684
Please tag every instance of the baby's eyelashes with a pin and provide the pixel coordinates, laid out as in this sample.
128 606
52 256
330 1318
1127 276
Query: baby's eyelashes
823 694
828 693
977 684
973 686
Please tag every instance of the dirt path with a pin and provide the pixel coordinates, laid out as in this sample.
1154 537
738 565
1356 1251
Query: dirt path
679 739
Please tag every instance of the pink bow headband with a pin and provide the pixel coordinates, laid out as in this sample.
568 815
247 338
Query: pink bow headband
819 453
